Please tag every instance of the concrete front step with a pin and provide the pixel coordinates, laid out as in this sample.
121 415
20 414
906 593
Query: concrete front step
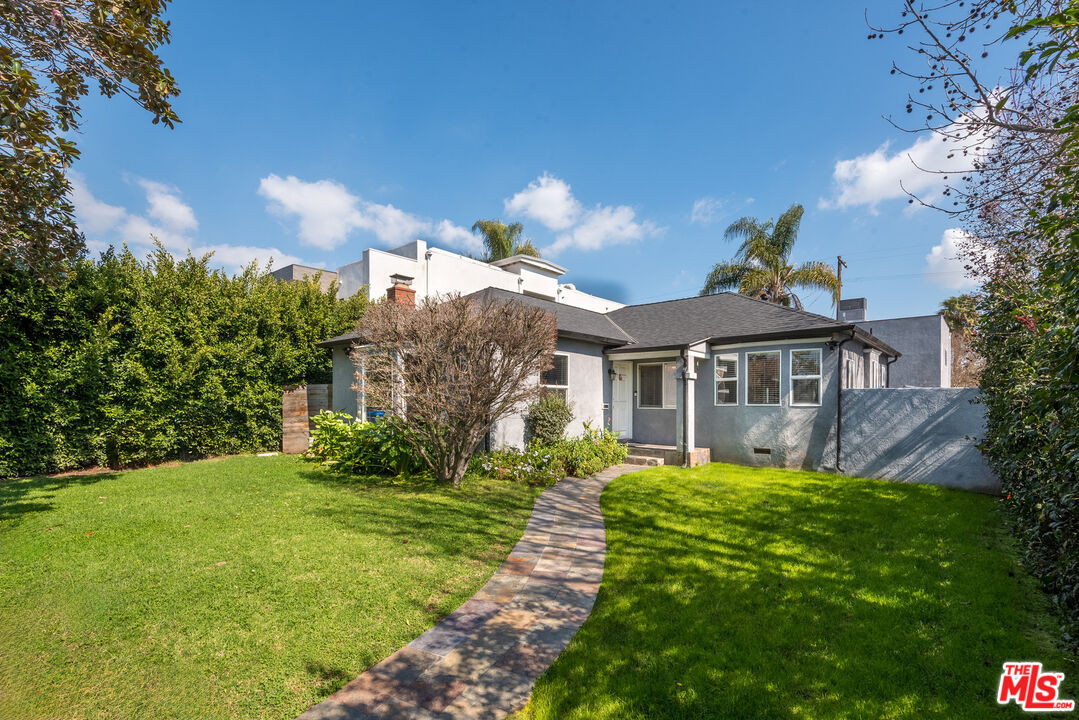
668 454
645 460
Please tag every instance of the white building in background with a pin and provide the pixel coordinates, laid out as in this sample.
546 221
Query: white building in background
437 272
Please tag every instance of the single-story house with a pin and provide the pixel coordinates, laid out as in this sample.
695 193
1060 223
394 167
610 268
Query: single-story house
718 377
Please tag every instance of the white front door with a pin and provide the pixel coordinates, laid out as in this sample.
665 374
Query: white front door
622 399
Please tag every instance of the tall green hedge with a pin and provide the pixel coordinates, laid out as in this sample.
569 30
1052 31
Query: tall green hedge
125 362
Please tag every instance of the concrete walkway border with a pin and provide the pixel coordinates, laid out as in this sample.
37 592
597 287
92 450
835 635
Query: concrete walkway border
482 659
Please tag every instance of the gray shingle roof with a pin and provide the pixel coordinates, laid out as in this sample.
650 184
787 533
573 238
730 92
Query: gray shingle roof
573 322
724 317
340 341
671 324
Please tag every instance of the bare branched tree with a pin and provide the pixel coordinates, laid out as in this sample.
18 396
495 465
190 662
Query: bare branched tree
445 371
999 120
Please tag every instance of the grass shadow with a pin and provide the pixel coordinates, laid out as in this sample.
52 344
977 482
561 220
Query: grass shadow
14 491
754 593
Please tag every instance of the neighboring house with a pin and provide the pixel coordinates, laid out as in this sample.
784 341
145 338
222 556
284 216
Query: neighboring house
926 342
436 272
292 273
721 377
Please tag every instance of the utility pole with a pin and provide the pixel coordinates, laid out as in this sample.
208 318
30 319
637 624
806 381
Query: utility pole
839 265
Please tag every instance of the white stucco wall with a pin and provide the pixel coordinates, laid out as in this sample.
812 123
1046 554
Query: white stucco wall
440 272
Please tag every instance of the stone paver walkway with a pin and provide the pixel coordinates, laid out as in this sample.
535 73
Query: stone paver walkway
482 660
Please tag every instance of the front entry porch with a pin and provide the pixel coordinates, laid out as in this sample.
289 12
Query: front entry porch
648 454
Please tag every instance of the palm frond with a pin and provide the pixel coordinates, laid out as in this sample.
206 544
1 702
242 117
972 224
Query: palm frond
723 276
526 248
758 282
816 275
786 230
497 237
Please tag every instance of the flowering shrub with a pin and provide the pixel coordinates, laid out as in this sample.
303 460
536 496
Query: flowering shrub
364 448
588 454
537 465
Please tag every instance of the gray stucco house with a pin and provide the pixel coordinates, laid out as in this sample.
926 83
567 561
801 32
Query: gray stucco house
927 349
719 377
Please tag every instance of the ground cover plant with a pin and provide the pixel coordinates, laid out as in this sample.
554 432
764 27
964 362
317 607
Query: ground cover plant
758 593
236 588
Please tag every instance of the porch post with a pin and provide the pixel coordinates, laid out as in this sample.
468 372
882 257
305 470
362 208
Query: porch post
686 418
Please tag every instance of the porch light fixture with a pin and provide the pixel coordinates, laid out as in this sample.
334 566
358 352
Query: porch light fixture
611 373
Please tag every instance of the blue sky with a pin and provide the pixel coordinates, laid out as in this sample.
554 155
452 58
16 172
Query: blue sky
625 136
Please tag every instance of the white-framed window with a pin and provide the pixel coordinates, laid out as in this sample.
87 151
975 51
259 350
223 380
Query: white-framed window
726 379
805 377
556 379
883 370
762 378
874 372
656 385
851 373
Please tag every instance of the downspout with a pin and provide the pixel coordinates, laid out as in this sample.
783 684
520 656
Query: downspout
685 407
427 274
839 400
888 371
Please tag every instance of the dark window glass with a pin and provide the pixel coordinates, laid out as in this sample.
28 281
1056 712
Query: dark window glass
762 370
559 374
650 391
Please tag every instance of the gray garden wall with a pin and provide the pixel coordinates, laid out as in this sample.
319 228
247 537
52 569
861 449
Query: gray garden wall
923 435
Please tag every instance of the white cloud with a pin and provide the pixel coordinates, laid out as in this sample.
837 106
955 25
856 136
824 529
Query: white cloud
234 257
547 199
602 226
882 175
943 265
167 208
550 200
458 236
168 218
707 210
391 225
327 213
93 215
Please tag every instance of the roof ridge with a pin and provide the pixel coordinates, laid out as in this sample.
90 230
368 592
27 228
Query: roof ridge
732 294
784 307
660 302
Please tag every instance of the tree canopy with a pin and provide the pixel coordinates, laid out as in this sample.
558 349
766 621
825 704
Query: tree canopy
50 52
503 241
761 267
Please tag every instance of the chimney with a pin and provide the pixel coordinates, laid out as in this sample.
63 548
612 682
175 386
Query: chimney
401 292
853 310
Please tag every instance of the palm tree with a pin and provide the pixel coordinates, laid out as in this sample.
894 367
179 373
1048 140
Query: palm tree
762 267
503 241
960 312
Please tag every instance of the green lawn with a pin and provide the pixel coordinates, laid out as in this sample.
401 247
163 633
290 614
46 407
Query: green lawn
236 588
733 592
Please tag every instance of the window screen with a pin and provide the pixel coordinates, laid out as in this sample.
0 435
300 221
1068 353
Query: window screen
556 379
727 379
558 375
762 371
655 385
805 377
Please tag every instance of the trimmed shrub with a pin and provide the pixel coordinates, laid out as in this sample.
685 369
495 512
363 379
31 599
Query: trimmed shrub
127 362
547 419
362 448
